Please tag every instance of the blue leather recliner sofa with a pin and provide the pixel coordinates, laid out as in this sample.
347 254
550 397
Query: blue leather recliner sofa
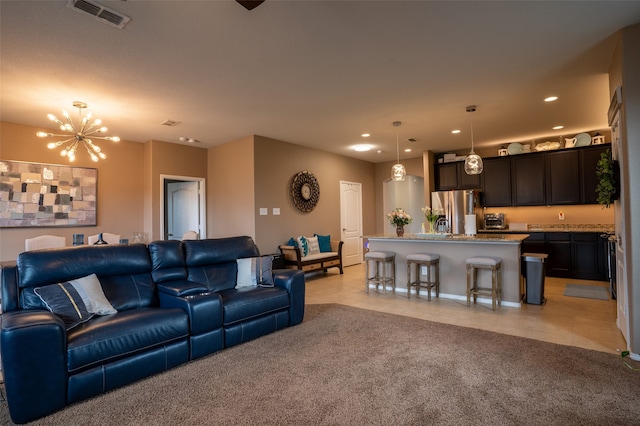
176 301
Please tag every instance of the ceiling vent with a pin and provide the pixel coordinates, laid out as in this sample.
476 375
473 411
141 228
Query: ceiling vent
171 123
101 13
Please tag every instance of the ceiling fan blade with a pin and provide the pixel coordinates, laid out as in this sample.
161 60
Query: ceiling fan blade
250 4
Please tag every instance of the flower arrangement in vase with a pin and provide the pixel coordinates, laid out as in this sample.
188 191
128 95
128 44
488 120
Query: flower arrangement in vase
432 216
399 218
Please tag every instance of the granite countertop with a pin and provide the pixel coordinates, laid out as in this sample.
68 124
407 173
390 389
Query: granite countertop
489 238
559 227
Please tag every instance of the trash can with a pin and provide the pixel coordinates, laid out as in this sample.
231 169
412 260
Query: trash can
534 270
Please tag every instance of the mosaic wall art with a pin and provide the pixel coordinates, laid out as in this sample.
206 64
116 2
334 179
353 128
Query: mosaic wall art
47 195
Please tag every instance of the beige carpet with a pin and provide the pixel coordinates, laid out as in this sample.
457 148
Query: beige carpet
348 366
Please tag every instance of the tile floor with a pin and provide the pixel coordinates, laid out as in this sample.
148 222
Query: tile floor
573 321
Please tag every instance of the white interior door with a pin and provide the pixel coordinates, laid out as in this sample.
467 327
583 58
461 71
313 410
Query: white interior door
351 222
622 296
183 209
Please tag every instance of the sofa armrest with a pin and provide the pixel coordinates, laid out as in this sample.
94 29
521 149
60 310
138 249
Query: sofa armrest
203 307
181 288
293 281
337 247
291 253
34 361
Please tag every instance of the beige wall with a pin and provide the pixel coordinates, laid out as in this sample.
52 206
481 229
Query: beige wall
163 158
120 185
276 163
230 190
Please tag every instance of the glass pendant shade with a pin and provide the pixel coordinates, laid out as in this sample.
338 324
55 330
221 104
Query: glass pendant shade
398 172
473 164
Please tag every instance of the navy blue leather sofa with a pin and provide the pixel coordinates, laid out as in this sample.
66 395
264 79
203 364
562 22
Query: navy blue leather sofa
176 301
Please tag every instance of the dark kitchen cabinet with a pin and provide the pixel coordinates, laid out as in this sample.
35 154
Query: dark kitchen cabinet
451 176
446 176
579 255
496 182
558 246
534 243
588 160
528 179
563 177
589 256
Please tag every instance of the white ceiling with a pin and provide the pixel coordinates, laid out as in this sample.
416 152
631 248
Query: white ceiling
317 73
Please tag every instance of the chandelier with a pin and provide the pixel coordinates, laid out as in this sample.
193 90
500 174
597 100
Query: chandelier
473 162
79 134
398 172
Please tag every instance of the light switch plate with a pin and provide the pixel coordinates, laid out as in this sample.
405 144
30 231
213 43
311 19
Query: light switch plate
264 211
276 211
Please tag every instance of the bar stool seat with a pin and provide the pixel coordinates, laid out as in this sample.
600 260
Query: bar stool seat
494 264
415 262
380 260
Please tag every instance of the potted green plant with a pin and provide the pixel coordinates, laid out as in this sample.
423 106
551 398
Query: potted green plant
607 171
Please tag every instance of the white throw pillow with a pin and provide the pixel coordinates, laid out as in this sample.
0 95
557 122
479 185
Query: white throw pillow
303 245
314 245
255 271
90 291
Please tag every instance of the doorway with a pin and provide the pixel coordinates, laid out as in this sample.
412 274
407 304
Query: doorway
182 206
351 222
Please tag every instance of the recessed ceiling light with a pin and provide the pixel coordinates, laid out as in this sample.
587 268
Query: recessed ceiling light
407 150
558 127
551 98
379 151
362 147
455 132
365 135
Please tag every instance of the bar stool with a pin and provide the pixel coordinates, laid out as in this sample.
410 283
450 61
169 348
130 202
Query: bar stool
415 262
491 263
380 259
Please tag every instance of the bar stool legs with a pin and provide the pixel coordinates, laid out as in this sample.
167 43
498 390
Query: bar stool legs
380 259
415 262
493 264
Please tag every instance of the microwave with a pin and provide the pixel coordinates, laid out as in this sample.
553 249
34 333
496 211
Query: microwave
494 221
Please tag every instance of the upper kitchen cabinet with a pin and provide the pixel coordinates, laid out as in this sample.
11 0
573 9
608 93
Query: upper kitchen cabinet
563 177
528 179
451 176
558 177
496 182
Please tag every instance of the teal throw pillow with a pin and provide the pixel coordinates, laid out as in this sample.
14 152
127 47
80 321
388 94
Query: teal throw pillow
325 243
292 242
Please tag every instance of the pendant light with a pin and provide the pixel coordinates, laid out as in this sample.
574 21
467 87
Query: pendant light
398 172
473 162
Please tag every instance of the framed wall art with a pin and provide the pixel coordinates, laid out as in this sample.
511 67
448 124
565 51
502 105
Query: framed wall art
47 195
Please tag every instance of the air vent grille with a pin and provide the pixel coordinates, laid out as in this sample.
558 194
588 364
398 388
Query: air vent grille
101 13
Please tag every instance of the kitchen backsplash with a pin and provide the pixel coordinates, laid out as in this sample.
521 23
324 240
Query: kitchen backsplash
578 215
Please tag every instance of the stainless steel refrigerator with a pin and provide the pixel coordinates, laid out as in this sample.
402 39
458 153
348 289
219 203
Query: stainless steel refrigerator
455 205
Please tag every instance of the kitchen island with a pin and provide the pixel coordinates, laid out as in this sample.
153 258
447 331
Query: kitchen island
454 250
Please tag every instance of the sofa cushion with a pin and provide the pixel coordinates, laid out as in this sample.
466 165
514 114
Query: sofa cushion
324 241
64 300
320 256
105 339
251 302
253 271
